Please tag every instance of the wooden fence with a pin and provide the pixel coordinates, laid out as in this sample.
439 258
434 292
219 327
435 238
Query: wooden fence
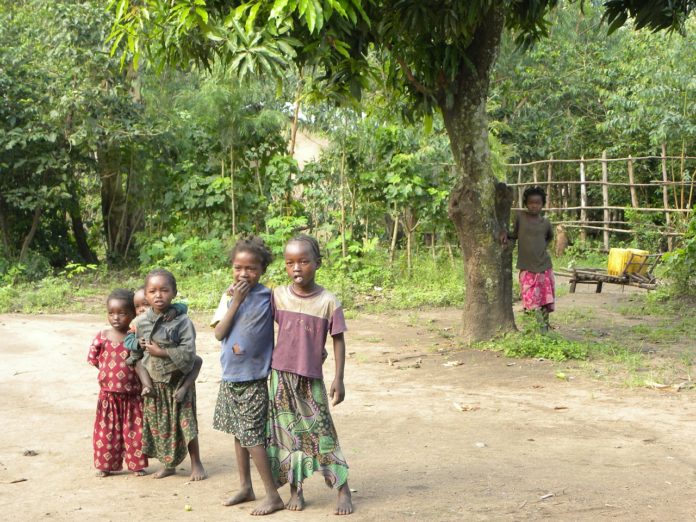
569 203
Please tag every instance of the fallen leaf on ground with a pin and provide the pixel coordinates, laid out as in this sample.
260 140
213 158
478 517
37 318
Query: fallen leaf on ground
560 407
562 376
537 386
465 407
30 453
450 364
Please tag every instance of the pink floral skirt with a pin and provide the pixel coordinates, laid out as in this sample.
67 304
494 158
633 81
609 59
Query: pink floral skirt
538 290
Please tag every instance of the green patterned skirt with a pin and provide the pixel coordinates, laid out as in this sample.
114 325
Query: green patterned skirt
301 435
169 426
242 411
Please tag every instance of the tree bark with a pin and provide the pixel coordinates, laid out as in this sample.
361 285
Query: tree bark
478 207
38 209
118 213
78 228
5 229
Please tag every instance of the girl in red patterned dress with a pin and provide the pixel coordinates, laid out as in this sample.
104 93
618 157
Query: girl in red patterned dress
534 233
118 428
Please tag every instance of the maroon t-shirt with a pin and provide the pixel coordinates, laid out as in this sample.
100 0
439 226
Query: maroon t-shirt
303 325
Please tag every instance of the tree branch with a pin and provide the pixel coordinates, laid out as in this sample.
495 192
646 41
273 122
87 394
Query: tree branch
411 77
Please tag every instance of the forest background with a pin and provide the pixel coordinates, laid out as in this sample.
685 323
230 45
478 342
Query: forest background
107 171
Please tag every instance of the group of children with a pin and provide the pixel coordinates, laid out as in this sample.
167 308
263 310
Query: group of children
272 395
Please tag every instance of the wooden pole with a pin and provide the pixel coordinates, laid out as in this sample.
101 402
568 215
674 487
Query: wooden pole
665 194
631 181
583 199
535 174
605 200
549 180
519 187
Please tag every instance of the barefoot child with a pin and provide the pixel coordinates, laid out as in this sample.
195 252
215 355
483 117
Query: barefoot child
136 352
118 427
302 436
170 427
534 234
244 324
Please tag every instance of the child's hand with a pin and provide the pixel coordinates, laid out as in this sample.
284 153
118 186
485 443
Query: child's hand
154 349
181 393
230 290
239 291
504 238
337 392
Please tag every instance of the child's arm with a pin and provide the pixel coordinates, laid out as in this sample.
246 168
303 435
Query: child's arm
185 386
95 349
223 327
337 392
549 233
505 235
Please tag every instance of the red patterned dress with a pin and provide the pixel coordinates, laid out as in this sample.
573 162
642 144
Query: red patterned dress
118 428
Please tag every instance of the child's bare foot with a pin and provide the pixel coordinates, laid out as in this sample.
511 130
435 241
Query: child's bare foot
147 392
102 474
243 495
164 472
269 505
197 472
296 502
344 506
180 393
140 473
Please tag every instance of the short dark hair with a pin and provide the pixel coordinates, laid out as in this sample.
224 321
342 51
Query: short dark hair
122 294
161 272
256 246
534 191
313 245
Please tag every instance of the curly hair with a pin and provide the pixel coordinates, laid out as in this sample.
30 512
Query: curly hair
161 272
313 245
256 246
122 294
534 191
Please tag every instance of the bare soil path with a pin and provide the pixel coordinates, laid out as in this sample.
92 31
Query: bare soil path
488 439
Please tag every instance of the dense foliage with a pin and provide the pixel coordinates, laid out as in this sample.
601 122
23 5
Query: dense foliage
105 164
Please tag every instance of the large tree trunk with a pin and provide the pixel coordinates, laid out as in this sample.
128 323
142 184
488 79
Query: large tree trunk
478 207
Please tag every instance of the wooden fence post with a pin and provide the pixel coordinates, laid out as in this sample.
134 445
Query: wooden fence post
665 195
583 200
549 199
519 186
631 181
605 199
535 173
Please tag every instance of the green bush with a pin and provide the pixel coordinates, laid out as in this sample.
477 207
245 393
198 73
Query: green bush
680 264
194 254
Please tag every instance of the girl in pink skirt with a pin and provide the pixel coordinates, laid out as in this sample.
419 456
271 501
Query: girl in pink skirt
534 233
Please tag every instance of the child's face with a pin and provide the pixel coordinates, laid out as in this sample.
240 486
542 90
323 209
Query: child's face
246 267
534 204
120 314
159 293
300 263
140 302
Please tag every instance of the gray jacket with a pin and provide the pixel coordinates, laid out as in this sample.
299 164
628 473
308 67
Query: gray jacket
177 337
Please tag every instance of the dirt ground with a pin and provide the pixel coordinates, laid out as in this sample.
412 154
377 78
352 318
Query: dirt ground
489 439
